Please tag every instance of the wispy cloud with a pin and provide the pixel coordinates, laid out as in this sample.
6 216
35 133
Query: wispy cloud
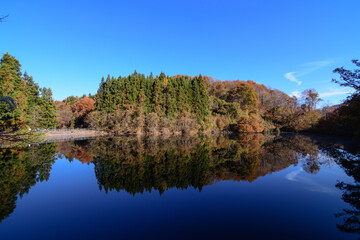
295 94
334 92
291 77
313 66
308 68
292 175
308 183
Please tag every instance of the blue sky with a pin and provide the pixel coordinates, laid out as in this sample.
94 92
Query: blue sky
288 45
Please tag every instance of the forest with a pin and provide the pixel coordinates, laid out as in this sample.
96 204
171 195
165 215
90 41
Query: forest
181 104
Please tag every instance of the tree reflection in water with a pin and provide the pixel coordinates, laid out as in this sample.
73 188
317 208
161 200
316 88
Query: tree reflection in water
145 164
20 169
350 162
137 165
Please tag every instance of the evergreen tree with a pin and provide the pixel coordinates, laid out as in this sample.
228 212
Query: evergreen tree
157 96
100 95
170 100
32 109
48 109
201 98
12 85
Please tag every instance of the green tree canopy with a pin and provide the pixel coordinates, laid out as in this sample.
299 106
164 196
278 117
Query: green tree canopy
35 106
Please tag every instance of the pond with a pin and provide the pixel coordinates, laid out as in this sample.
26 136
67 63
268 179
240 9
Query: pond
253 186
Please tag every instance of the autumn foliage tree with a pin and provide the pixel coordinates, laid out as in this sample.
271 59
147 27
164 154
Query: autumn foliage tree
161 104
64 115
81 108
72 111
35 106
245 95
311 99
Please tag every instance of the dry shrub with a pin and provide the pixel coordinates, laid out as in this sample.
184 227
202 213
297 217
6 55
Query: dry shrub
152 123
64 115
250 123
134 122
83 107
305 121
96 120
185 123
222 123
251 142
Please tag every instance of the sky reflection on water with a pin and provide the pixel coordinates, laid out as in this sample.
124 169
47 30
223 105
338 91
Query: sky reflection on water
252 187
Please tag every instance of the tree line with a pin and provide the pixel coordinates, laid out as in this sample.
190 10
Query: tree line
162 104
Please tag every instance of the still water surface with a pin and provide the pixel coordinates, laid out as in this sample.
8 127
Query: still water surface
255 186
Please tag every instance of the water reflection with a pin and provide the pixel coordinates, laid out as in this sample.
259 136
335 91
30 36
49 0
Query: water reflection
138 165
20 169
350 161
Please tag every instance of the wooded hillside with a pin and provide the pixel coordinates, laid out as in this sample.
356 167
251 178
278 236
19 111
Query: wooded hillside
162 104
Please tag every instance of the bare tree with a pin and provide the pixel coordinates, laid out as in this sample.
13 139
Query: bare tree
349 78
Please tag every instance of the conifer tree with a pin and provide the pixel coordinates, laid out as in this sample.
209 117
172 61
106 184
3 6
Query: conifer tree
48 109
100 95
32 110
201 98
12 85
157 98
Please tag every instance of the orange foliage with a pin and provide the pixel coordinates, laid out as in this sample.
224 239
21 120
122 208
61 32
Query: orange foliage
83 106
250 123
80 153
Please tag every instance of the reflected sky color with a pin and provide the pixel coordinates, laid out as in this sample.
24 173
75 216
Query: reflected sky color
290 203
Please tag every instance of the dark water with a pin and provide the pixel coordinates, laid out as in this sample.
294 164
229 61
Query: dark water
248 187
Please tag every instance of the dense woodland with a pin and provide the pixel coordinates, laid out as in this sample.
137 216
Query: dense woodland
161 104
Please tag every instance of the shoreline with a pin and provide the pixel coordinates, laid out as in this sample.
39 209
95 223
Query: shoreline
69 134
8 140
